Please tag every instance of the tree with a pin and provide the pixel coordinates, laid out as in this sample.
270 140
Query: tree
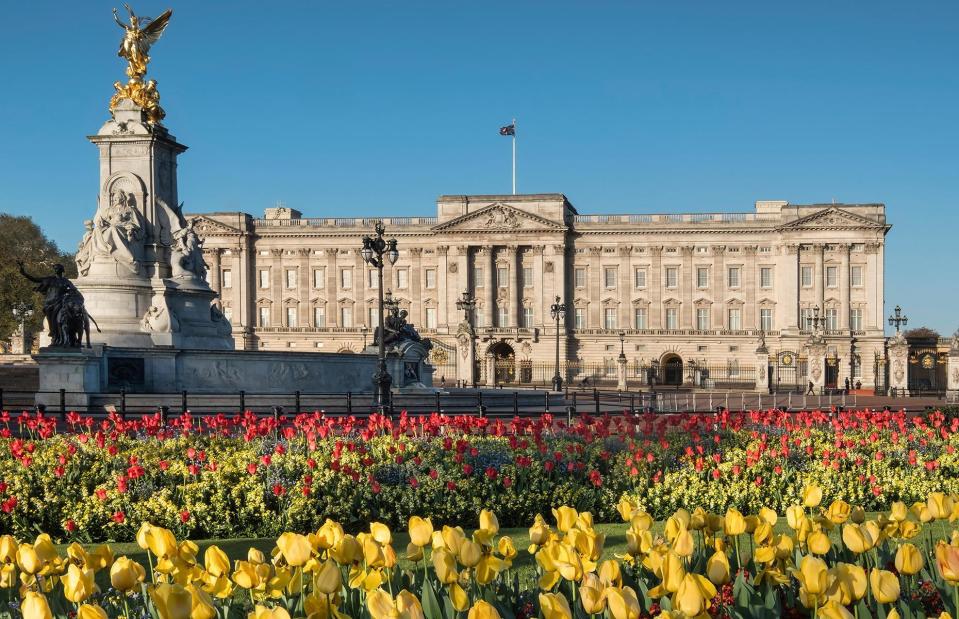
21 239
922 334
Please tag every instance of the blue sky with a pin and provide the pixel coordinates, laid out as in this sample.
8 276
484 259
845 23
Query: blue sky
349 108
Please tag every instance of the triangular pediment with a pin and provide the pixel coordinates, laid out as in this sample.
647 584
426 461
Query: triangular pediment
208 227
498 217
833 218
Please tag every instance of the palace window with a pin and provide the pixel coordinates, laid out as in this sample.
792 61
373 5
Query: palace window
702 277
346 279
832 318
478 277
735 319
264 278
373 279
528 317
291 317
319 316
264 317
639 277
319 278
609 318
527 276
346 316
805 276
291 278
855 319
805 318
402 278
609 277
579 277
373 317
228 314
430 317
640 318
765 277
478 318
226 278
832 277
766 319
503 317
733 280
855 276
579 318
672 277
672 318
856 366
502 277
431 278
702 318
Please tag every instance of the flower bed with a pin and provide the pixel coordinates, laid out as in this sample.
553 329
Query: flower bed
243 476
831 562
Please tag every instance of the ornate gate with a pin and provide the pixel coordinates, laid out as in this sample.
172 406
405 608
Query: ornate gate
787 372
927 371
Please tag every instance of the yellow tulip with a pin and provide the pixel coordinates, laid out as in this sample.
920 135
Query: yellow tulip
126 575
262 612
565 518
161 542
421 531
898 511
626 507
856 538
450 538
538 533
171 601
893 614
202 605
488 568
8 549
641 521
347 550
381 605
91 611
909 560
884 585
838 512
483 610
28 560
506 549
444 563
795 516
414 553
857 515
470 553
812 496
327 578
78 584
908 529
296 548
34 606
734 523
250 575
717 568
255 556
592 595
939 505
947 559
216 562
847 583
818 543
459 597
694 594
554 605
610 574
763 533
672 573
812 575
623 603
142 535
488 522
832 610
381 533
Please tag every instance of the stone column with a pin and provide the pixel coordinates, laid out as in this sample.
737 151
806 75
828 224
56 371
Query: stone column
490 370
559 279
332 289
539 284
718 283
443 287
303 284
416 286
898 355
819 280
845 287
277 283
686 283
621 373
625 288
762 367
655 286
515 298
788 316
816 362
594 283
750 320
214 269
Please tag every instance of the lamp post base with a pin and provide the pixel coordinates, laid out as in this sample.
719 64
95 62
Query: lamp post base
382 381
557 382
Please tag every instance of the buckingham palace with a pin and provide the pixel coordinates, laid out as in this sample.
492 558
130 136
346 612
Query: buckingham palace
698 299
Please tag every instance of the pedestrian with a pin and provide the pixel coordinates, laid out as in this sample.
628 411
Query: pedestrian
810 390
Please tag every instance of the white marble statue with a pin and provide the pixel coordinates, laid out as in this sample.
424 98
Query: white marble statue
85 249
187 253
160 320
118 231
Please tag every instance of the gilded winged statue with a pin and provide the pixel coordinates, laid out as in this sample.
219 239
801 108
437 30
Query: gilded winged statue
138 36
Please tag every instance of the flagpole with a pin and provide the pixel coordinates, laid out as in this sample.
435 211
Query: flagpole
514 156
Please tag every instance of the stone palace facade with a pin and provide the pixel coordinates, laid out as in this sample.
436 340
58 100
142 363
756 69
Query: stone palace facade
694 295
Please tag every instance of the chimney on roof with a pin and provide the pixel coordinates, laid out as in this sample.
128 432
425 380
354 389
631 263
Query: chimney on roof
770 206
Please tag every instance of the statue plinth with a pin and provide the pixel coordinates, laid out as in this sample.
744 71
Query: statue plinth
140 262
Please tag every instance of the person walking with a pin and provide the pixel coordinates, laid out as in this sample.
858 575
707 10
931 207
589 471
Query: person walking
810 390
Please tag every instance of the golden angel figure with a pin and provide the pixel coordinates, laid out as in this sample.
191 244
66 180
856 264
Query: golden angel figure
139 35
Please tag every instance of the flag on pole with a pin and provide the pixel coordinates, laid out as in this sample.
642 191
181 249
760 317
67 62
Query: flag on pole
508 129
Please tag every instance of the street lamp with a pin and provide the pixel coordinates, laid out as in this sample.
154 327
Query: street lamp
898 319
816 320
558 311
373 252
622 345
466 304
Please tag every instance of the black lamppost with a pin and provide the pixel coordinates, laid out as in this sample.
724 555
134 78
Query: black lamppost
558 311
373 252
816 320
897 319
466 304
622 345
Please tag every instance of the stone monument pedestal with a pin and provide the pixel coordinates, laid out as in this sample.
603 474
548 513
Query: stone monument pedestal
408 365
